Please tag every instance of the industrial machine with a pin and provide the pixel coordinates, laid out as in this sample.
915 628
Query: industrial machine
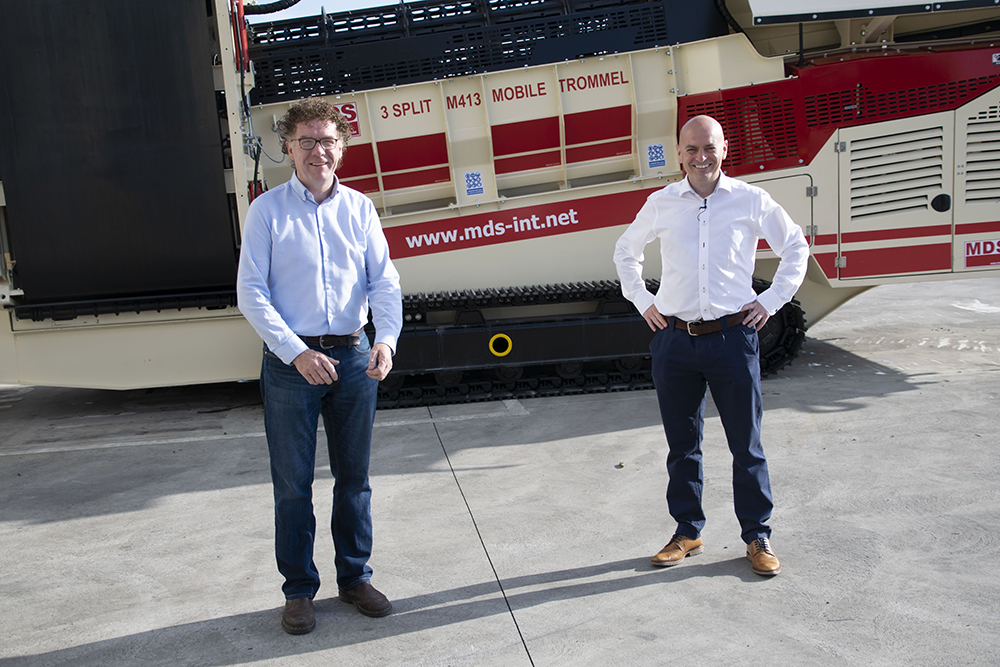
506 144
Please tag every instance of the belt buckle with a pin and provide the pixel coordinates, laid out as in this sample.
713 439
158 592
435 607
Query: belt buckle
691 326
323 345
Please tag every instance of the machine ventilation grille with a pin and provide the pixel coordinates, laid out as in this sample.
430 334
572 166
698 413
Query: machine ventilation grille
982 157
862 105
424 40
759 127
989 113
896 173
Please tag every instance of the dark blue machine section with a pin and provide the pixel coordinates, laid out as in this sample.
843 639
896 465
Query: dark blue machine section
435 39
111 153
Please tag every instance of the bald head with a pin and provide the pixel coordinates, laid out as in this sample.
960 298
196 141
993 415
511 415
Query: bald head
701 148
701 124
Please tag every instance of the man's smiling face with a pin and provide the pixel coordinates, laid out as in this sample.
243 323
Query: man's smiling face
701 149
316 167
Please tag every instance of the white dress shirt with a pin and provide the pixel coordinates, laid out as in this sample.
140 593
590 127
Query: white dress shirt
708 246
311 269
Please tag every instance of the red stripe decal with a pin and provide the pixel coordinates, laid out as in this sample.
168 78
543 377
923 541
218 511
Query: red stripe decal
825 239
365 185
890 261
598 124
827 262
412 152
415 178
517 224
528 135
978 228
598 151
887 234
359 160
508 165
982 260
982 253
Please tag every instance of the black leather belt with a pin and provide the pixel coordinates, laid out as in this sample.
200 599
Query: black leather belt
702 328
328 341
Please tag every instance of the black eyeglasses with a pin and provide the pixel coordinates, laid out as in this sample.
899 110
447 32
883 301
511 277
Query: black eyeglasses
308 143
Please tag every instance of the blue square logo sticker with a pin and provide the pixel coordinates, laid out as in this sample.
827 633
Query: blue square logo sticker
473 183
655 156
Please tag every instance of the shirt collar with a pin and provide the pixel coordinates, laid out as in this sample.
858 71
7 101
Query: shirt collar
302 193
725 183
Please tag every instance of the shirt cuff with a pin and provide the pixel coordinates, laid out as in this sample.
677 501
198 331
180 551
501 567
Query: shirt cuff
770 301
388 340
292 348
643 301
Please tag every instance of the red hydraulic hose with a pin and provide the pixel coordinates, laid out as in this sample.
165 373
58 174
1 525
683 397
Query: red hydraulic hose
240 35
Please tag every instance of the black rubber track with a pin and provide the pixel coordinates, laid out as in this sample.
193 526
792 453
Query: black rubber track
780 342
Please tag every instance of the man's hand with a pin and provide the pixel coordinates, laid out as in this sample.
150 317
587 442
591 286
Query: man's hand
316 368
654 319
379 362
757 316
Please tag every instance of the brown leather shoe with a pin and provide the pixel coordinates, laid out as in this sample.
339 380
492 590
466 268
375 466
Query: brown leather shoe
764 561
678 548
298 617
367 600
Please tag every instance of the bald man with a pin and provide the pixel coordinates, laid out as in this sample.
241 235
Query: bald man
706 316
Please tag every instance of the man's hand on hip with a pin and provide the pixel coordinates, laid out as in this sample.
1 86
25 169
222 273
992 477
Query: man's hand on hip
316 368
757 316
654 318
379 362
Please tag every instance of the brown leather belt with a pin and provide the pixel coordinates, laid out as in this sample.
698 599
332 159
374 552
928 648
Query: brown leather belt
327 342
702 328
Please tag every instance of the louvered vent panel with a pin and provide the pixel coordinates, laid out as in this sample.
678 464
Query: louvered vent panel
982 157
896 173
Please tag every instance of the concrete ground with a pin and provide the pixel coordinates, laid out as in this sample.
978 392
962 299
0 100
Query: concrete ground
136 527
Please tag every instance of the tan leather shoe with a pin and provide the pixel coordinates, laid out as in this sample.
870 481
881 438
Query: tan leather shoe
678 548
298 617
367 600
764 561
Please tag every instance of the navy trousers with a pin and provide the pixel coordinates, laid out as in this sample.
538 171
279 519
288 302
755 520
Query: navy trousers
726 362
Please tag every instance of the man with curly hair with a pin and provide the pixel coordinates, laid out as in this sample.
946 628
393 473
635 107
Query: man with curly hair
314 258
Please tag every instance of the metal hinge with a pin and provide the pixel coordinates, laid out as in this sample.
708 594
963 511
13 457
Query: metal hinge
812 191
812 230
840 262
840 147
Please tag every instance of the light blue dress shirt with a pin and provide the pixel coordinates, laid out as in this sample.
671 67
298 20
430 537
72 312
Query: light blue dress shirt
309 269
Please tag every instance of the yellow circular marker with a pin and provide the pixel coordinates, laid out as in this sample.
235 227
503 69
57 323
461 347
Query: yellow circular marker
506 348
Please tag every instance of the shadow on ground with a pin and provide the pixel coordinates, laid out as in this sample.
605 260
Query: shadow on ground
256 636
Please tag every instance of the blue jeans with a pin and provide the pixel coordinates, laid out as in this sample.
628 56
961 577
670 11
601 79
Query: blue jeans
291 411
728 363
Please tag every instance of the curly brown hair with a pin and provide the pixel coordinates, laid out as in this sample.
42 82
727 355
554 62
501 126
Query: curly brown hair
307 110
